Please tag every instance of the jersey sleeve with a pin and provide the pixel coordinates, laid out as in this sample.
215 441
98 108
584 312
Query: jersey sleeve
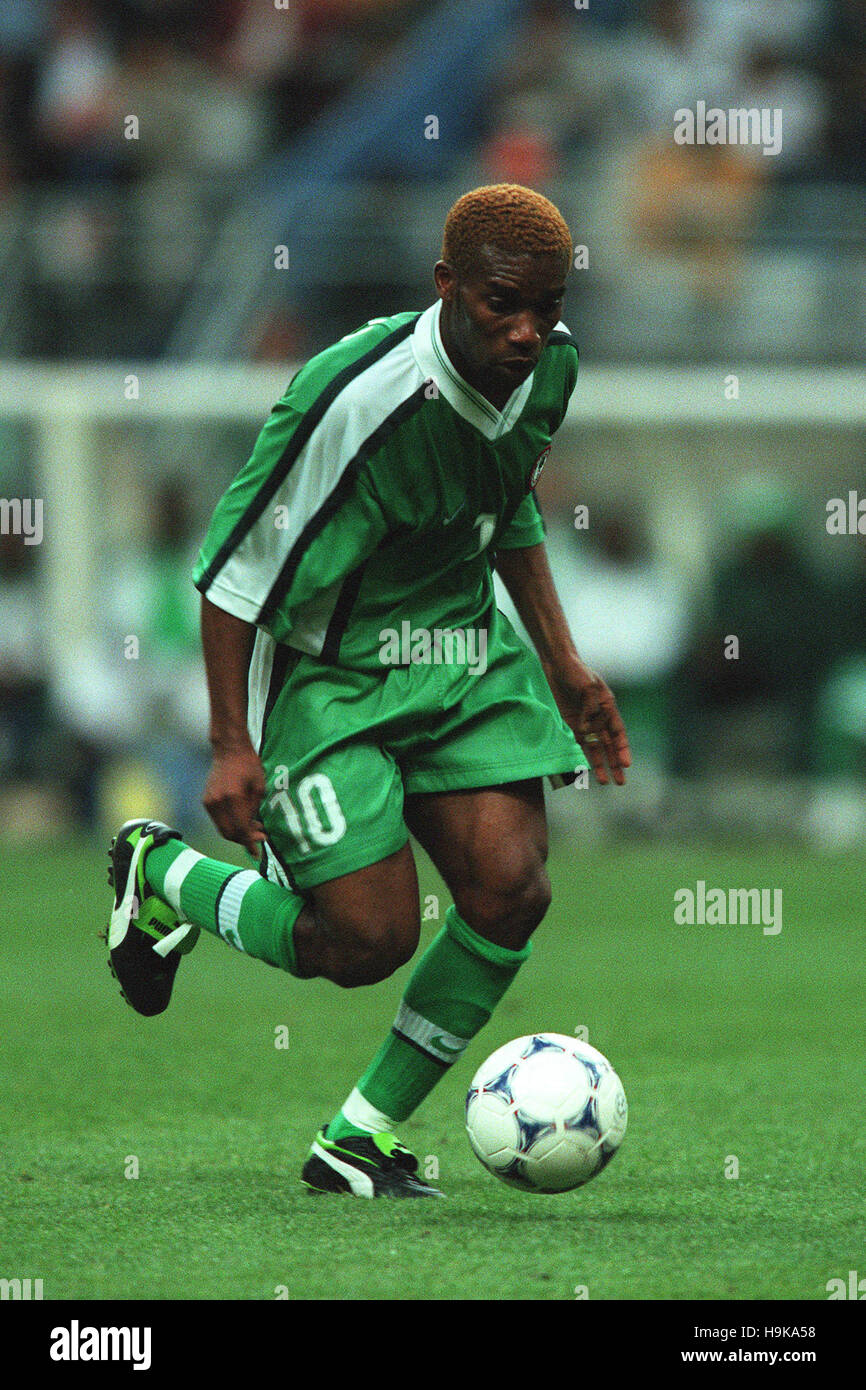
572 367
525 528
296 522
570 362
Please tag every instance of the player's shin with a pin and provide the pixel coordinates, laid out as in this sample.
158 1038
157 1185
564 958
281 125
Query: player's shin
454 989
250 913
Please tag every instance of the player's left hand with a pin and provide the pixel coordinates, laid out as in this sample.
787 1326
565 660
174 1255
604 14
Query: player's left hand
589 709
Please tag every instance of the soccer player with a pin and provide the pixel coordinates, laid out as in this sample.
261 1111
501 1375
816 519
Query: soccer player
364 685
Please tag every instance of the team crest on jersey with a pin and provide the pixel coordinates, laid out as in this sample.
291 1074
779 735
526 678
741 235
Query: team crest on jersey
538 465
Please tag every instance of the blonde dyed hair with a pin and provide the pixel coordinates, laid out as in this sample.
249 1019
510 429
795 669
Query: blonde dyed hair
512 218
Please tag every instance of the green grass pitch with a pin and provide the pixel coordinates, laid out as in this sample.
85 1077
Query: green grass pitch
730 1043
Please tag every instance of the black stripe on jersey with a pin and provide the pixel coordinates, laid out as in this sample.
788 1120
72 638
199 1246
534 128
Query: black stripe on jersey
263 860
340 616
292 881
335 500
299 439
559 336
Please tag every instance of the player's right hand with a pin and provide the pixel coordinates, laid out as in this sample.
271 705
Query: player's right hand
233 795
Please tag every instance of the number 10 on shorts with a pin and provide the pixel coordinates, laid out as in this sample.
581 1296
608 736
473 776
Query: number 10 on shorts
315 817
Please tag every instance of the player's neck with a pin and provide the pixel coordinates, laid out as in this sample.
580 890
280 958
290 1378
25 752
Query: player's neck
496 395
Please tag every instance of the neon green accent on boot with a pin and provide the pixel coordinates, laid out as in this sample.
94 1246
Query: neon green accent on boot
155 917
325 1142
389 1144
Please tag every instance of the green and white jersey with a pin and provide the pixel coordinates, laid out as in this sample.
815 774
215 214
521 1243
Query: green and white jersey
378 490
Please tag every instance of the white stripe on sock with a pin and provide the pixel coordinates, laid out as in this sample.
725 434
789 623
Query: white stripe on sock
438 1042
229 908
186 860
363 1115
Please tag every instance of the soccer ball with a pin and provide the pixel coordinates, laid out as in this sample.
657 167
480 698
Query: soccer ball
546 1113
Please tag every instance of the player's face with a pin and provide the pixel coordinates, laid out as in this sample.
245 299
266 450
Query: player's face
496 321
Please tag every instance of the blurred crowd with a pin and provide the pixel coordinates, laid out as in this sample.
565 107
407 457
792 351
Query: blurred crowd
129 129
702 248
640 62
126 713
223 83
217 85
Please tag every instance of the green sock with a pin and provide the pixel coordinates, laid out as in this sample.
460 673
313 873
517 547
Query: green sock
246 910
454 989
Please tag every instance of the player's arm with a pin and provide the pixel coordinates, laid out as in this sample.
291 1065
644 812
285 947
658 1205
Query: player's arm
584 700
294 524
236 783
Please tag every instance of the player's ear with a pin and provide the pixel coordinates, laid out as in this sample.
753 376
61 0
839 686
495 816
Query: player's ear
445 279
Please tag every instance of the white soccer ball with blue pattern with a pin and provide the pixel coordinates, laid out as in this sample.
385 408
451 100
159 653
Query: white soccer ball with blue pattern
546 1113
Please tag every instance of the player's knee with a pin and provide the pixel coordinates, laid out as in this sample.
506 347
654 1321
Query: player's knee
368 956
507 909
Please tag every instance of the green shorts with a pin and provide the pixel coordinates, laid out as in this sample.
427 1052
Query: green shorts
341 748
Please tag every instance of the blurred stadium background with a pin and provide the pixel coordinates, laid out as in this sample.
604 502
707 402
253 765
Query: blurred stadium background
195 198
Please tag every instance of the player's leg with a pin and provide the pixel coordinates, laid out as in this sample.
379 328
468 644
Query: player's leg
359 928
490 845
496 736
333 807
354 930
160 883
365 925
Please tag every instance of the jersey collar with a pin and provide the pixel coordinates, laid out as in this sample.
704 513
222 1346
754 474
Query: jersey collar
435 363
